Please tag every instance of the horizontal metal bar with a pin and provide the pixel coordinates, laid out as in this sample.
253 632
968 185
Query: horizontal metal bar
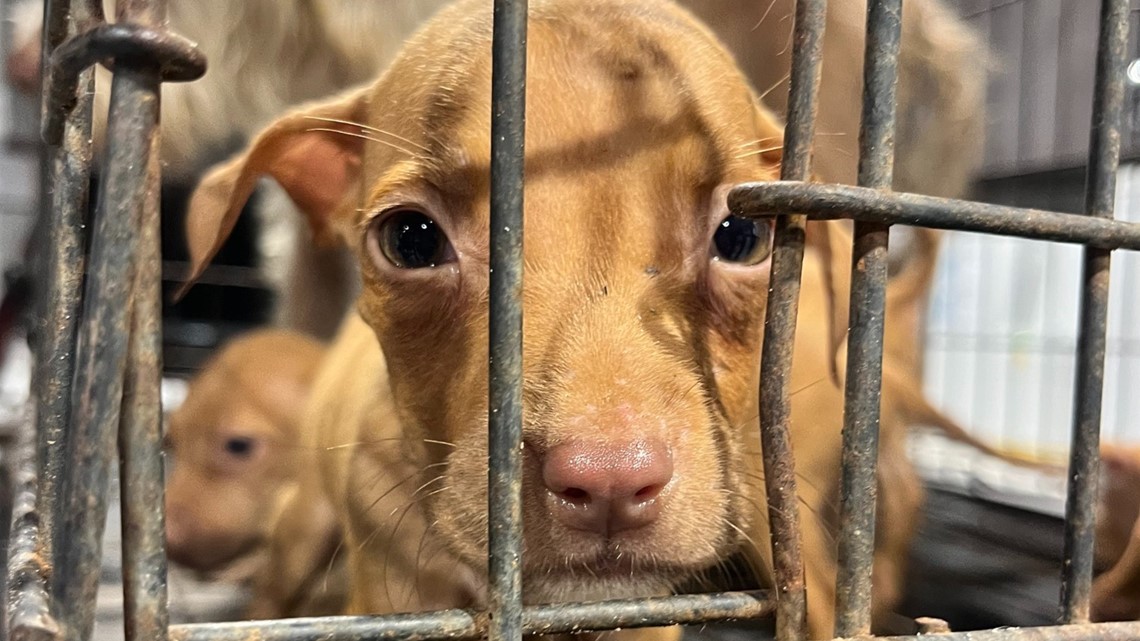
466 624
647 613
832 202
1123 631
445 624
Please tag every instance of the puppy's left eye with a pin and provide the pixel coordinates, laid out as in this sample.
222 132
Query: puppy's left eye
744 241
240 446
409 239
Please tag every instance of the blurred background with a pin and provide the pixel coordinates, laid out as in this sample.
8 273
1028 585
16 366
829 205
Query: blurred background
1000 334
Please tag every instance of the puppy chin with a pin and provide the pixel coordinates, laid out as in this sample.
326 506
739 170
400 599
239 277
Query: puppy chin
556 589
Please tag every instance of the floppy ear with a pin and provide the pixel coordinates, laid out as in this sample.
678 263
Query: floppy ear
314 153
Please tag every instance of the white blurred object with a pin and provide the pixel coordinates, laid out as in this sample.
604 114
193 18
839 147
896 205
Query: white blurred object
949 465
1001 337
15 382
173 393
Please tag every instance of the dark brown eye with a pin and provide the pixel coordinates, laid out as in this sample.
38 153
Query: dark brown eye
241 447
410 239
744 241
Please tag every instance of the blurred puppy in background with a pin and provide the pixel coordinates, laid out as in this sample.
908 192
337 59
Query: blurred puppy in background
233 446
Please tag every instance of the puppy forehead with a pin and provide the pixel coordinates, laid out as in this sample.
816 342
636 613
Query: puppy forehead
617 137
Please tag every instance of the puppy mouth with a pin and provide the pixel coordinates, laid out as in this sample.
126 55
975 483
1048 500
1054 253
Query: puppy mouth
604 576
234 566
609 564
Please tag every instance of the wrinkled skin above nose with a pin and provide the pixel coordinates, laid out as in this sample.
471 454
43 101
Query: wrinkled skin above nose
607 487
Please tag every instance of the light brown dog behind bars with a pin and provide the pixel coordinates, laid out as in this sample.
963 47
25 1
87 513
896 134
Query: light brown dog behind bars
234 447
643 323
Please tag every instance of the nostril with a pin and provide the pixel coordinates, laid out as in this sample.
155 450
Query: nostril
575 495
648 493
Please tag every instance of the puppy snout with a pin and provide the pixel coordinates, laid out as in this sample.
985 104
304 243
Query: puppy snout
607 487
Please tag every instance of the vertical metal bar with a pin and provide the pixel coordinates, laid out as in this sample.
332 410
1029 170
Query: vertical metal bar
504 479
68 186
29 608
780 328
1104 157
140 445
140 432
865 338
100 379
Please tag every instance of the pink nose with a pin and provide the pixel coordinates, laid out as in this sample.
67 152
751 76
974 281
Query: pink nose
607 487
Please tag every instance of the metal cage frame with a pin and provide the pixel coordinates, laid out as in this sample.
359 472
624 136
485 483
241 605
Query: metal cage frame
97 375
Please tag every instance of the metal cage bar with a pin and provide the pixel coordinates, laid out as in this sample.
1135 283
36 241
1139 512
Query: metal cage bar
832 202
104 341
84 397
465 624
865 333
116 366
1100 194
781 310
29 613
140 432
508 124
35 534
69 177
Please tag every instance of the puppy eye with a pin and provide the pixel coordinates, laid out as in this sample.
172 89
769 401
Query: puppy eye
745 241
409 239
240 447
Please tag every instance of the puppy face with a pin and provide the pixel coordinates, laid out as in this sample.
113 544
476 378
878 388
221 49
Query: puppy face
231 445
642 300
643 297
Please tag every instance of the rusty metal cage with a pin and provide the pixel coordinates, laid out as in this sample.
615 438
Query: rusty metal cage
96 381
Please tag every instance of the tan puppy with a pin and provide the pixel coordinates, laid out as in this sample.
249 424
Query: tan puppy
234 447
643 323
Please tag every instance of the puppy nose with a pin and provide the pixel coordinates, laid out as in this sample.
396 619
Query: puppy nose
606 487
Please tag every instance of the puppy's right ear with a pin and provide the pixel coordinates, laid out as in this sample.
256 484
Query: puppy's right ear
314 153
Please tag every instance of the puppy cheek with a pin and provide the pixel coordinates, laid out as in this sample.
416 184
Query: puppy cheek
435 351
735 300
700 509
461 510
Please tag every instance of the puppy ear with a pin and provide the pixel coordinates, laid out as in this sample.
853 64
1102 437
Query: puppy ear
314 153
